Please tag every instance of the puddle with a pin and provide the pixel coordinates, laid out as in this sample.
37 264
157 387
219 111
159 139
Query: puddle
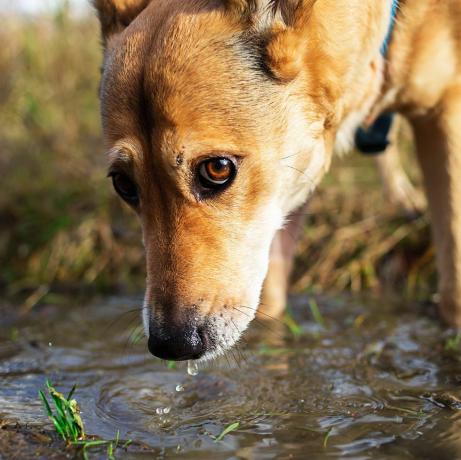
379 381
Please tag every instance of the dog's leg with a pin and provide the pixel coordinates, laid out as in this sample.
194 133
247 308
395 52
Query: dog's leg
438 143
398 189
274 295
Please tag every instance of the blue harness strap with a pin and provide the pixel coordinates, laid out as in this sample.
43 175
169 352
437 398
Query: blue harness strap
375 139
387 40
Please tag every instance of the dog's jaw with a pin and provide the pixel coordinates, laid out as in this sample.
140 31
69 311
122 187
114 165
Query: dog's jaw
228 330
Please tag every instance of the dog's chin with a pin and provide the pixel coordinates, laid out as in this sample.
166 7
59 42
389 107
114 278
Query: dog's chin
225 332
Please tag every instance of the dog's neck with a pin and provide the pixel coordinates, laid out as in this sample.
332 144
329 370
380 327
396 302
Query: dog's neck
407 87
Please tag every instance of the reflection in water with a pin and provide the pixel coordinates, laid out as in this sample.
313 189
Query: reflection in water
377 382
179 387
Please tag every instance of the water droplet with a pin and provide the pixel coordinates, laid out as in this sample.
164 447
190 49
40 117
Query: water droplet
162 410
179 387
145 393
192 368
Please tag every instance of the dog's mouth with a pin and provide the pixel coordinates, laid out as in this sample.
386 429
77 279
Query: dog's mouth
189 336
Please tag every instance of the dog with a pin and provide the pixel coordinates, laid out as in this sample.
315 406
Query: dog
221 117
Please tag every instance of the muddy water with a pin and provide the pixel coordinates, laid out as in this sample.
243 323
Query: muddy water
378 381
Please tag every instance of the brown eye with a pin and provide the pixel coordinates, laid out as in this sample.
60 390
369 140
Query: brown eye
216 173
125 187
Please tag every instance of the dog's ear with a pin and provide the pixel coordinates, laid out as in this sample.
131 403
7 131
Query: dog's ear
264 12
115 15
284 22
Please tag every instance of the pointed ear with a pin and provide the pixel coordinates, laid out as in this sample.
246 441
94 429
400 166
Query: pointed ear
115 15
285 23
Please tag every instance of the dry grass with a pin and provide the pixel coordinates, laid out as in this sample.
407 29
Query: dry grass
61 226
355 240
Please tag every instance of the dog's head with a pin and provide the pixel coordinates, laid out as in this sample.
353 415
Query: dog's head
220 117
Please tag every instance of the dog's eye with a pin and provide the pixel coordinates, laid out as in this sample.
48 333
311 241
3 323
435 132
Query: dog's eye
216 173
125 187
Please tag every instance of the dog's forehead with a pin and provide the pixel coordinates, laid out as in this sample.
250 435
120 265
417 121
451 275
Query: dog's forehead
192 74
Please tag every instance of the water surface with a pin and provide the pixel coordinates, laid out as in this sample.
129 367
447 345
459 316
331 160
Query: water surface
379 380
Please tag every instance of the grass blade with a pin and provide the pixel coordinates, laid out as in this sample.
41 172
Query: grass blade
295 329
110 452
127 443
71 393
227 430
318 317
58 405
59 428
327 437
117 438
45 403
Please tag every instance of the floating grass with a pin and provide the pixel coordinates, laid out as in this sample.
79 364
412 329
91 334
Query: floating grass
327 438
232 427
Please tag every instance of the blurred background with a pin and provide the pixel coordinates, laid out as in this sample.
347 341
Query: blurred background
62 230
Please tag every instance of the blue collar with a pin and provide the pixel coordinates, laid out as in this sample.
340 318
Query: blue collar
385 45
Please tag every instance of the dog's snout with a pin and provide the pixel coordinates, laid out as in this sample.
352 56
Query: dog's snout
177 342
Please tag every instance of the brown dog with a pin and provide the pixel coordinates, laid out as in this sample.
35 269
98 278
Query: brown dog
221 116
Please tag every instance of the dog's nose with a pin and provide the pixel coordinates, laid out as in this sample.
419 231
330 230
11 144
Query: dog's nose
177 343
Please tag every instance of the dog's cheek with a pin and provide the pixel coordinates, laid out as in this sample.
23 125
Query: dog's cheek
260 234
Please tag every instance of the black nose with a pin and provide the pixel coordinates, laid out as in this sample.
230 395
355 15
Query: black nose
177 343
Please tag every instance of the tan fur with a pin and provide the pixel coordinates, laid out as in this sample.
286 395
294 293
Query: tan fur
274 85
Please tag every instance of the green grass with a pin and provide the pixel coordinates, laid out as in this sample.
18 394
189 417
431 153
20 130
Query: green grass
318 317
66 415
294 328
229 429
170 364
64 412
326 434
327 438
453 343
266 350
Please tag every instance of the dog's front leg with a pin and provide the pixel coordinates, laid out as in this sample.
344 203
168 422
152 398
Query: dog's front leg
438 141
274 294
